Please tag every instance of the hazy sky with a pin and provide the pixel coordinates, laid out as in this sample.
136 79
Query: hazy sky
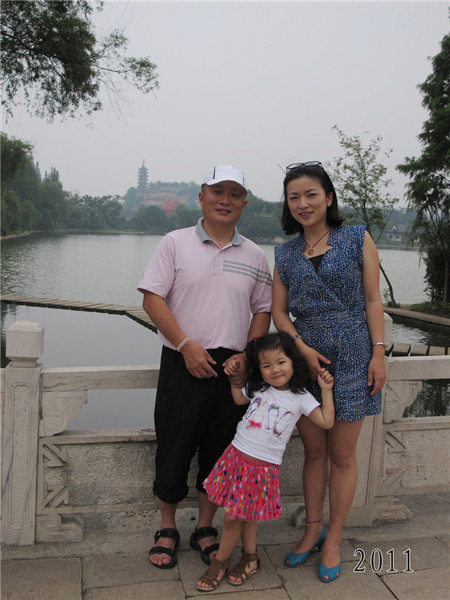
252 84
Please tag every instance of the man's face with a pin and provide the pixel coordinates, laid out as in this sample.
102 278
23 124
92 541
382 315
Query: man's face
223 203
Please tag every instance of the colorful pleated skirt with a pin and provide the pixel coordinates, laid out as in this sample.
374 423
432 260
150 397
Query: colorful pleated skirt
248 489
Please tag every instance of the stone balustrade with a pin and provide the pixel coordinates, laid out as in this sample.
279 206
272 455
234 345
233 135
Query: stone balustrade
52 476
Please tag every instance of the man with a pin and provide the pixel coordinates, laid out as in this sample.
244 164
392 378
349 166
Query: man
208 291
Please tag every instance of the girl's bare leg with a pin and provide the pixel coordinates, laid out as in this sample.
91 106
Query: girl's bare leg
231 533
248 537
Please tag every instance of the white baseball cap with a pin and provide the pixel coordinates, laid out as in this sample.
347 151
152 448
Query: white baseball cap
224 173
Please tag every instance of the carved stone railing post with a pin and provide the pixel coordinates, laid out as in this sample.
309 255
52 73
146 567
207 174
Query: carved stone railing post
24 346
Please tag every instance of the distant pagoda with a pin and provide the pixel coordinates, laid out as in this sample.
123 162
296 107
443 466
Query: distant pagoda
147 195
142 180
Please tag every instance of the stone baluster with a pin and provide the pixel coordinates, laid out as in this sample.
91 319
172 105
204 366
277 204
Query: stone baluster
24 346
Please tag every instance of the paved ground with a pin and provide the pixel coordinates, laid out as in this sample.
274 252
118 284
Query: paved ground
403 560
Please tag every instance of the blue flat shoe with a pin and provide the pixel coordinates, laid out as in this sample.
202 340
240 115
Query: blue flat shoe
331 572
295 560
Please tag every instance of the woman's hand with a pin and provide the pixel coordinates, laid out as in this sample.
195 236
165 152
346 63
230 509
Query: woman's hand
313 357
376 374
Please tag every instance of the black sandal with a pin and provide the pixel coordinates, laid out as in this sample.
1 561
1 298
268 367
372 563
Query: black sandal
172 534
199 534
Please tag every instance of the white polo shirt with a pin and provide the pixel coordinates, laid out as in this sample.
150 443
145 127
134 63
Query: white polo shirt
211 291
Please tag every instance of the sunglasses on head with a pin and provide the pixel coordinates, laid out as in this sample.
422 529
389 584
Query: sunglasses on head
311 163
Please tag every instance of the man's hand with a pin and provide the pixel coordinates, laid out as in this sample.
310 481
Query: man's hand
198 361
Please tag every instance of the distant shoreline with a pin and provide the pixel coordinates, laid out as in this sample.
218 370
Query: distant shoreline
130 231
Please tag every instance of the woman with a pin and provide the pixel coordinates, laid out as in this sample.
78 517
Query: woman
327 278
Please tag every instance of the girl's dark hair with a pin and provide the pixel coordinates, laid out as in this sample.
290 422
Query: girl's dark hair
334 218
274 341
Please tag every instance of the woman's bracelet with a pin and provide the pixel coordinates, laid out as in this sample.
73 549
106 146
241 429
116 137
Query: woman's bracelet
379 344
183 343
297 337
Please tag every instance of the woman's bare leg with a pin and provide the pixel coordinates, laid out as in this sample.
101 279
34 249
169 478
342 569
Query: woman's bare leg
315 480
342 442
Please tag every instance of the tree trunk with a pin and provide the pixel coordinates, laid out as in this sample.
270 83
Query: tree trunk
445 279
393 303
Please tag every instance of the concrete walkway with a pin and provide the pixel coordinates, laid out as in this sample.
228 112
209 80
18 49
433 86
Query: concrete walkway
417 316
403 560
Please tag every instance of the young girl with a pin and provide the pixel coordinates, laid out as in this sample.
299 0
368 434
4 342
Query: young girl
245 480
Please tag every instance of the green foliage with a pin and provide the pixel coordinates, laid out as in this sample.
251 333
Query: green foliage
434 268
32 202
361 184
53 63
428 191
260 220
151 219
94 213
440 310
29 203
131 203
15 155
19 182
185 216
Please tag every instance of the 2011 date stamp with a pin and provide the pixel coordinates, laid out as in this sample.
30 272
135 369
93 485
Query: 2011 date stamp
377 559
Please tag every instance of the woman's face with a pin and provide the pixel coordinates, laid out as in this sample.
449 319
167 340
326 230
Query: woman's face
308 201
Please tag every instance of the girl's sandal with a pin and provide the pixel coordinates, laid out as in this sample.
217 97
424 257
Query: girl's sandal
211 575
240 571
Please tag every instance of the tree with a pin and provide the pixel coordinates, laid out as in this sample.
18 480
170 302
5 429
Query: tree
428 191
15 157
185 216
52 62
152 219
361 183
52 204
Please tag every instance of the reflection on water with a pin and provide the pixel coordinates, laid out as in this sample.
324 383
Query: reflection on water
432 401
431 335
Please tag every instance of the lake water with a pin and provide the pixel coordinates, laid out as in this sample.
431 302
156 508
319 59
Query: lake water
107 268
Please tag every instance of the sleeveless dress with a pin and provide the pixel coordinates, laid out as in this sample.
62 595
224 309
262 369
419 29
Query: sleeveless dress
329 311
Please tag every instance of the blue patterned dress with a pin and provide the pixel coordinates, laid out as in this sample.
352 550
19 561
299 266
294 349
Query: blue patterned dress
329 311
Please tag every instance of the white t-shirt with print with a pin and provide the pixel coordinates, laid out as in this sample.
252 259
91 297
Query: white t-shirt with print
267 426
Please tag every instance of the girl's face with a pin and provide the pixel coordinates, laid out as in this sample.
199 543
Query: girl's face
308 201
276 368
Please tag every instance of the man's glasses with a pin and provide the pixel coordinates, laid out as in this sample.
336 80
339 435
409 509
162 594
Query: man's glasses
312 163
